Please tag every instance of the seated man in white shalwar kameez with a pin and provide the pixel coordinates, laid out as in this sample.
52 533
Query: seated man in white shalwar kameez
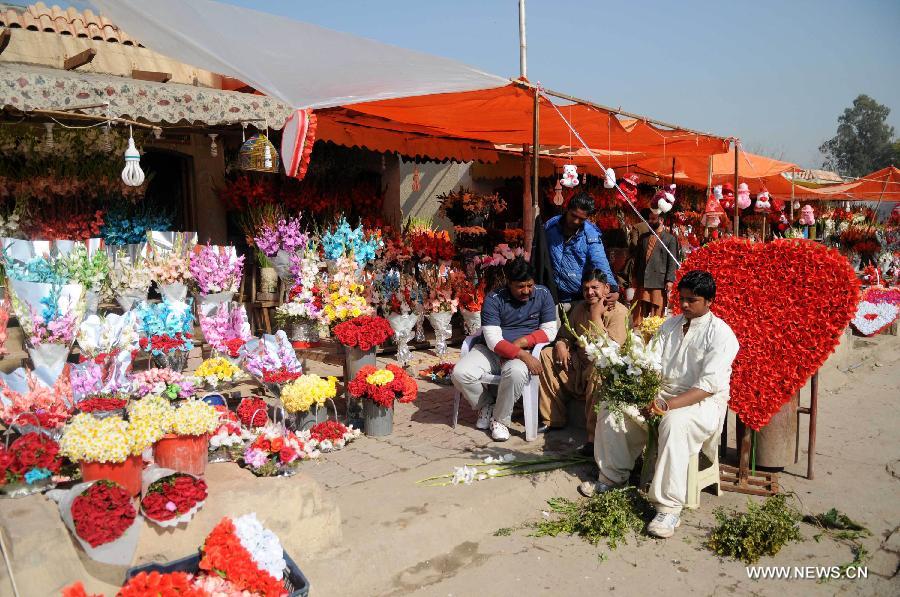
698 349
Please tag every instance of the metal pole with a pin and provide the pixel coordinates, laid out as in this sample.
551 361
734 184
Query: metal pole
737 211
792 198
523 67
813 413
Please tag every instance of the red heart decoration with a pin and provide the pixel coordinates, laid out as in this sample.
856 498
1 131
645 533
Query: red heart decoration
788 302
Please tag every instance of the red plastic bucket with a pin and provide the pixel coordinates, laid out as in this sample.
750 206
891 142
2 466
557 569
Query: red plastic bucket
182 453
127 474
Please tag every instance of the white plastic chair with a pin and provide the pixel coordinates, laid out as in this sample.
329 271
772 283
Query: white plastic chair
529 392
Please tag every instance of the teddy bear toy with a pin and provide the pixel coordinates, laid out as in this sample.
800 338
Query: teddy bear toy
570 176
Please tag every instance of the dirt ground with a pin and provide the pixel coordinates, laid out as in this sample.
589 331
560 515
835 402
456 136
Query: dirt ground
400 538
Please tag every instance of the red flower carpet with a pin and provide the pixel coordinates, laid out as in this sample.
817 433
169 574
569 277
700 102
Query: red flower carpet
788 301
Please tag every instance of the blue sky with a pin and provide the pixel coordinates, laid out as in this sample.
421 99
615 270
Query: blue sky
775 74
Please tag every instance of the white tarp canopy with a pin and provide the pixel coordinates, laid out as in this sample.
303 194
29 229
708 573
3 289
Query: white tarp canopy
304 65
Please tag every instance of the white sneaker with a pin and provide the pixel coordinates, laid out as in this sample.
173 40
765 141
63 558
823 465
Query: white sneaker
484 417
499 431
663 525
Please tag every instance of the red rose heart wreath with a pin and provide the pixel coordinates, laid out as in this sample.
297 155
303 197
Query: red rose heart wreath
787 301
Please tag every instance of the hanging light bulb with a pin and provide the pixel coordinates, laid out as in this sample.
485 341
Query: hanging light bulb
48 135
213 148
132 175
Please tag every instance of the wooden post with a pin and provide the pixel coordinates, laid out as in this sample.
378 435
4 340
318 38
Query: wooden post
535 166
527 200
792 198
737 211
673 170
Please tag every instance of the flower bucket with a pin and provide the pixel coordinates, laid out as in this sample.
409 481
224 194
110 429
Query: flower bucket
379 420
304 334
49 356
354 360
471 322
91 301
182 453
174 292
175 360
403 325
301 421
128 298
127 474
268 280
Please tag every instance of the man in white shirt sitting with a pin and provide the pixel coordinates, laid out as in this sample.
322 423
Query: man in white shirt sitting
698 349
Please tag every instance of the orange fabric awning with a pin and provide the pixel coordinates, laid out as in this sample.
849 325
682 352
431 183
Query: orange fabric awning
882 185
504 115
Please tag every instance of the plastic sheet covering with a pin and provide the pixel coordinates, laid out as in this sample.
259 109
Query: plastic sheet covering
301 64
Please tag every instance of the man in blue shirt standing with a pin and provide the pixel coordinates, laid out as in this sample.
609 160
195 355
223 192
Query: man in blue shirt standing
576 247
513 320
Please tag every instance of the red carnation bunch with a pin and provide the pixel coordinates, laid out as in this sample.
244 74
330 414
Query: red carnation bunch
431 245
384 386
788 302
173 496
31 452
164 342
328 430
225 556
100 403
233 346
171 584
102 513
364 332
282 375
253 412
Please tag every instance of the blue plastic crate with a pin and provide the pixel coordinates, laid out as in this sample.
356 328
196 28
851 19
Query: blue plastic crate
294 580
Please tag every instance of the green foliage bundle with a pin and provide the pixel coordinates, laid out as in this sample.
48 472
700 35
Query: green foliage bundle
760 531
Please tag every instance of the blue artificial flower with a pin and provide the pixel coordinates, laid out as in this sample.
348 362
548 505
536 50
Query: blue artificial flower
36 474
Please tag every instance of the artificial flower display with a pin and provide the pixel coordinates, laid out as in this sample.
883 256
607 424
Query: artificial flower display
107 334
253 412
364 332
4 322
37 269
304 304
331 435
46 407
127 226
54 323
788 334
170 584
166 326
215 371
441 296
83 267
230 435
275 451
176 496
194 417
286 234
300 394
272 359
438 373
344 241
384 386
89 439
462 205
150 418
226 328
877 310
216 269
162 382
432 246
246 554
29 459
470 297
169 267
102 403
398 293
125 276
102 513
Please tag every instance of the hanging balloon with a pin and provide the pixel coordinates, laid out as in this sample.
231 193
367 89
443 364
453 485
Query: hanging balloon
610 181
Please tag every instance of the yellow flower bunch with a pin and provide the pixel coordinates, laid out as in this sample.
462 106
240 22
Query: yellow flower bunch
344 301
152 415
382 377
650 325
195 417
306 390
216 369
87 438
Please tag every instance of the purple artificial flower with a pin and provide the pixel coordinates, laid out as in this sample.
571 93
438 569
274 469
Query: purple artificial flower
255 458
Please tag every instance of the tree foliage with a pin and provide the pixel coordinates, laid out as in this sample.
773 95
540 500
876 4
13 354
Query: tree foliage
864 141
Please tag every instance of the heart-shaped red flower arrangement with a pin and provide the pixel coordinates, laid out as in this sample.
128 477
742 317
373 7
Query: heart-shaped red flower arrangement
787 301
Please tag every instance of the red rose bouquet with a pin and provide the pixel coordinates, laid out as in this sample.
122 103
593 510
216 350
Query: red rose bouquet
253 412
102 513
364 332
277 451
29 459
246 554
329 436
171 584
173 498
282 375
384 386
101 403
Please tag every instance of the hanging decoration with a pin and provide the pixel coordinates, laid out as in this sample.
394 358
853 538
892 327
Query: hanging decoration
416 181
48 136
725 196
713 212
763 204
743 196
258 155
796 204
609 180
297 141
570 176
807 216
662 202
629 186
213 148
132 175
558 199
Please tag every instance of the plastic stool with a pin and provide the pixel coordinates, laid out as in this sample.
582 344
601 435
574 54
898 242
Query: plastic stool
697 480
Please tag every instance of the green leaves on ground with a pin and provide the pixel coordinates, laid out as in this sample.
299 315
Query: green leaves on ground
842 528
610 516
760 531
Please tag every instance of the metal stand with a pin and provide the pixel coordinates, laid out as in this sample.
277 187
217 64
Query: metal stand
812 411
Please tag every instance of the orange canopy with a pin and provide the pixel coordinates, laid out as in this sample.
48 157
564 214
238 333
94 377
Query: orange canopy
504 115
882 185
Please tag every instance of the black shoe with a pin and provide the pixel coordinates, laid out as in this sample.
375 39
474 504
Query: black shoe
586 449
546 428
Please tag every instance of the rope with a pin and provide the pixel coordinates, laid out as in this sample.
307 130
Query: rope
603 169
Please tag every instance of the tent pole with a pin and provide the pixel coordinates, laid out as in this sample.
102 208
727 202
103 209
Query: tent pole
673 170
737 211
792 198
535 166
523 67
